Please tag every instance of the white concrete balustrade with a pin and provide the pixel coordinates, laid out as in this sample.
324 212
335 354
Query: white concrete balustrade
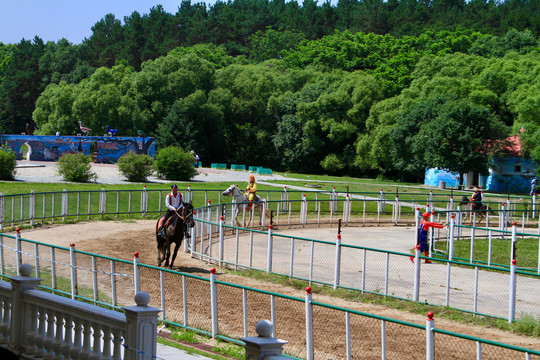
37 324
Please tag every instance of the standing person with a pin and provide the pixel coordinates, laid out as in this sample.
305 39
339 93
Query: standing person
195 159
173 202
533 185
251 190
423 234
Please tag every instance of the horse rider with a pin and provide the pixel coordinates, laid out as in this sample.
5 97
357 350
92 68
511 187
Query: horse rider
477 199
173 202
251 190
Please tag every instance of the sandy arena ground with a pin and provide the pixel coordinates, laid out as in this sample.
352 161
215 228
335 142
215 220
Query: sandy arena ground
122 239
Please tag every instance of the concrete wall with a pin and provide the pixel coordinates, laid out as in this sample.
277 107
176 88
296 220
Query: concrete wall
51 148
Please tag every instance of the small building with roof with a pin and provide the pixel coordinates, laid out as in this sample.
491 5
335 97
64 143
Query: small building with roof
509 171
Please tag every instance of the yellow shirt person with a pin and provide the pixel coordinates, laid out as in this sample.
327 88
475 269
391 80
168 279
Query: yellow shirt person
251 188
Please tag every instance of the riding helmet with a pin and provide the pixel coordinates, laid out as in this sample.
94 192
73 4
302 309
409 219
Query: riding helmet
251 177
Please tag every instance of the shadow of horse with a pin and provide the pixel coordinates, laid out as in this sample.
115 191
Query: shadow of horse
175 227
242 204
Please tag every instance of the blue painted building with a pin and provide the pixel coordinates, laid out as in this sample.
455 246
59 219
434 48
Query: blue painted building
512 173
107 149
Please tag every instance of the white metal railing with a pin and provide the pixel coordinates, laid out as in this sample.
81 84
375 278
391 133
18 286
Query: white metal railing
36 324
52 206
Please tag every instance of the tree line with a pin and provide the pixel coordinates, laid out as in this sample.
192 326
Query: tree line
334 101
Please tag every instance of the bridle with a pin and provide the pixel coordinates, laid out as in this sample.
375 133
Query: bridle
184 217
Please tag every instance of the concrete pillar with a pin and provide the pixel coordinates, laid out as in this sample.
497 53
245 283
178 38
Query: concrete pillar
20 321
264 346
141 329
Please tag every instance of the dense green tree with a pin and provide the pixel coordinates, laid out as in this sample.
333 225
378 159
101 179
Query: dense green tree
22 83
106 41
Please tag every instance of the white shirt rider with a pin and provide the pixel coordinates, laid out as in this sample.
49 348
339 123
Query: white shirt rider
173 202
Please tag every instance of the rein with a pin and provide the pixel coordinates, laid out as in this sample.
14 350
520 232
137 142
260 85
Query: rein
184 218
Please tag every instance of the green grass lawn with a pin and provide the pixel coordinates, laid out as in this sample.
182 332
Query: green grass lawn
526 251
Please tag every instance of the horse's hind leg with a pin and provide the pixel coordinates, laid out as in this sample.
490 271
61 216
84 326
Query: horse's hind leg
159 253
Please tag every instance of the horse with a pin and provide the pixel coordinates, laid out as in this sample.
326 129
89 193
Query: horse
242 203
174 233
480 209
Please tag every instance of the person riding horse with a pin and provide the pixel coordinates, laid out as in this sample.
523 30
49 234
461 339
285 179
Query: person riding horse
251 190
173 202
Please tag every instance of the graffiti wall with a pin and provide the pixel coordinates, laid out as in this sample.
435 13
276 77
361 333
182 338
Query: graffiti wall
107 149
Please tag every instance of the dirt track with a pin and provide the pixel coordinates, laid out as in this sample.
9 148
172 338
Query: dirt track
122 239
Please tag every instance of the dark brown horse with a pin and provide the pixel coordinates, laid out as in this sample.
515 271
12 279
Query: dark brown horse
177 225
477 208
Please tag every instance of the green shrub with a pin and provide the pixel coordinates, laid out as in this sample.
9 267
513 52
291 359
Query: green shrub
8 162
76 168
136 167
332 164
173 163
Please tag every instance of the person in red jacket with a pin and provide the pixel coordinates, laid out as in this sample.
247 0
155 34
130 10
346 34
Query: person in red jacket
423 234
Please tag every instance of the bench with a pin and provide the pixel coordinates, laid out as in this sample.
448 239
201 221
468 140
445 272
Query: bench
218 166
238 167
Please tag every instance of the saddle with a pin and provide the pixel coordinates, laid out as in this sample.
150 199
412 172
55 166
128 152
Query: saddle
166 224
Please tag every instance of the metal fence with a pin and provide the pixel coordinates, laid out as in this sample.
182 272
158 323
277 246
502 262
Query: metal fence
314 330
473 286
353 207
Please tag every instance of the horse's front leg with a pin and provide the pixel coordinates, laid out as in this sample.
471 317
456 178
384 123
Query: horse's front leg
176 246
167 253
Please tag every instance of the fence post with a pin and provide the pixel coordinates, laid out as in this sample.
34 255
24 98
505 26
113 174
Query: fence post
309 325
32 207
20 322
64 205
338 261
430 337
269 249
2 210
18 249
73 267
333 202
144 201
512 300
416 273
136 275
514 241
396 210
451 248
533 205
213 302
103 201
304 213
285 203
141 329
221 240
380 203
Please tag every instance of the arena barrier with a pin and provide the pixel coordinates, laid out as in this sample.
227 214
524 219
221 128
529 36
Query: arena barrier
229 311
326 262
